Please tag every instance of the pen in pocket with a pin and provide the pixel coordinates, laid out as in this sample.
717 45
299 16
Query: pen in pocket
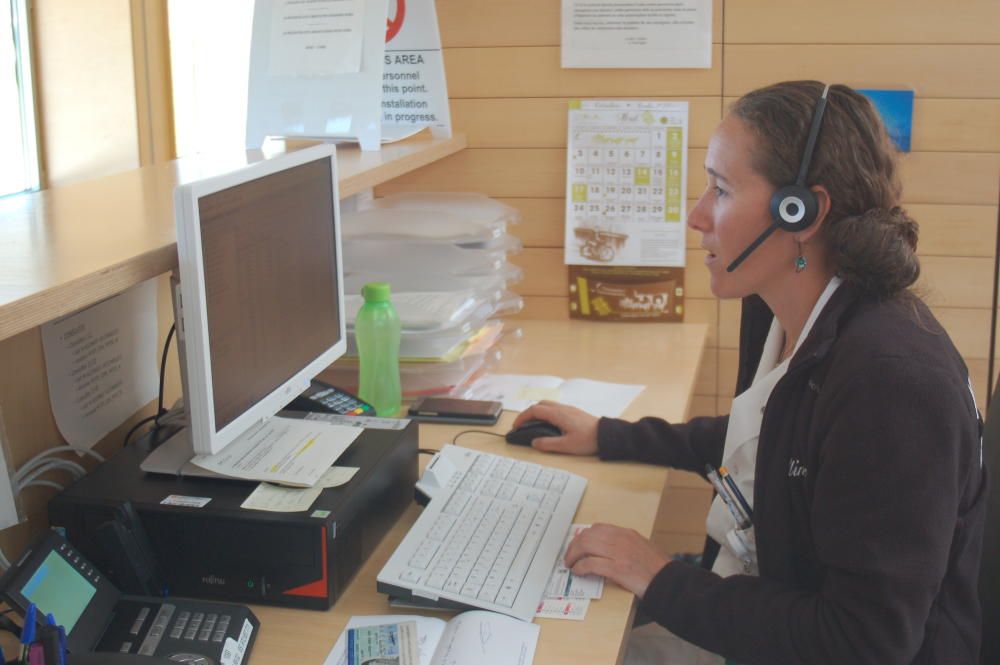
736 491
742 519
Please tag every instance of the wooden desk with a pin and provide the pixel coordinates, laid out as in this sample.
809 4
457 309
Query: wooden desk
665 358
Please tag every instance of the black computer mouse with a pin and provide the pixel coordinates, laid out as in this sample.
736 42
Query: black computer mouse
531 430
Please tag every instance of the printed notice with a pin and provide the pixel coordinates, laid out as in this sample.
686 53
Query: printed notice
414 93
316 37
101 364
637 33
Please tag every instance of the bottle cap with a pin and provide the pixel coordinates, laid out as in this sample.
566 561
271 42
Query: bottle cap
375 291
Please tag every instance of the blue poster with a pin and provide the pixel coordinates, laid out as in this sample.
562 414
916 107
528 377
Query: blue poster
896 109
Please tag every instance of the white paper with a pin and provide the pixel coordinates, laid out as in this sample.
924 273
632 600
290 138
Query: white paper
637 33
519 391
360 422
336 476
414 91
429 632
564 585
486 638
101 364
289 451
574 609
315 37
278 499
626 180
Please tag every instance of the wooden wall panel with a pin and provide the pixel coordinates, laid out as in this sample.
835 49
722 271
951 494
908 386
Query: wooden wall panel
956 281
955 230
964 178
966 125
861 22
535 72
931 70
514 22
542 122
949 125
707 382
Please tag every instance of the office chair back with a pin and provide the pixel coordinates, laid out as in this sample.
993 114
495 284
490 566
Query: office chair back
989 570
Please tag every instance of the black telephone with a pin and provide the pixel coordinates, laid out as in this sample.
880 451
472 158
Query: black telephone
321 397
97 617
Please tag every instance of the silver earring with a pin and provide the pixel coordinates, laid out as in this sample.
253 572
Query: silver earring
800 260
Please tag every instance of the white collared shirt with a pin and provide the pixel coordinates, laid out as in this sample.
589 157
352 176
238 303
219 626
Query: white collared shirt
740 453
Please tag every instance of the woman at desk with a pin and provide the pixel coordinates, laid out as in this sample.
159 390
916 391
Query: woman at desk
851 530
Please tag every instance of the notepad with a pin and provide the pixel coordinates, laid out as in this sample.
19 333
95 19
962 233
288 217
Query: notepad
471 638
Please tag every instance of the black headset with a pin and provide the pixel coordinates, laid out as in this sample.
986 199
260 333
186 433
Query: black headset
793 207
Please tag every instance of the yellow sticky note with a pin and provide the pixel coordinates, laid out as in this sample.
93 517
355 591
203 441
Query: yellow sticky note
580 193
535 393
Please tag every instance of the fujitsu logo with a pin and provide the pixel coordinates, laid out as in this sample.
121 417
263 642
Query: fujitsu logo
214 580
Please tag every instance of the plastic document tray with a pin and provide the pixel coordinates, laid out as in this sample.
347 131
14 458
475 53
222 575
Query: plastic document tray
470 206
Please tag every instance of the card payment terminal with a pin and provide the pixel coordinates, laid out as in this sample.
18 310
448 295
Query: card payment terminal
97 617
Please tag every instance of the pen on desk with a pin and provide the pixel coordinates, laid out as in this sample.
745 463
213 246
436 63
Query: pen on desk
742 520
736 491
28 631
62 645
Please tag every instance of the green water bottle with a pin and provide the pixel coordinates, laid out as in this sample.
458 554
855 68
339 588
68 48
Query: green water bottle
376 331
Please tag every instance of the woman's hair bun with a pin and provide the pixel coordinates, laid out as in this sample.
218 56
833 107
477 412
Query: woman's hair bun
876 251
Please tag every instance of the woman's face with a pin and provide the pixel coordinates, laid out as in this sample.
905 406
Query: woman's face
733 211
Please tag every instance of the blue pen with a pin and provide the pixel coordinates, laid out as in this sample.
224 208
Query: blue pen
62 646
28 630
736 491
742 519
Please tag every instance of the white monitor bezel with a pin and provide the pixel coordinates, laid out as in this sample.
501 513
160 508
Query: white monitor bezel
198 391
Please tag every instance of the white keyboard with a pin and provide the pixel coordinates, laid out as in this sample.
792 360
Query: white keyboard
489 537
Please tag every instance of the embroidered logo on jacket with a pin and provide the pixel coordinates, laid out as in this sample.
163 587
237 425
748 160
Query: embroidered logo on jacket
796 470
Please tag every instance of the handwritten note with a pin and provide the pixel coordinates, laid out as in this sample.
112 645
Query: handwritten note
101 364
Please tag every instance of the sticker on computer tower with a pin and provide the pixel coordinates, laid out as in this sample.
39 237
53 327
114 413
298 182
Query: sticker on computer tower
186 501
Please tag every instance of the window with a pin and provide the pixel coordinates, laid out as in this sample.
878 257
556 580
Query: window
210 64
18 142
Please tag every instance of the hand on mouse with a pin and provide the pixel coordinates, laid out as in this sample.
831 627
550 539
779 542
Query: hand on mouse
579 428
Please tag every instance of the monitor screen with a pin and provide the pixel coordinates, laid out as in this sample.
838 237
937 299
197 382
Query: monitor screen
60 590
270 282
261 286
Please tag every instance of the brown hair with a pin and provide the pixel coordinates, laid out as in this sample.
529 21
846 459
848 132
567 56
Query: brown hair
871 240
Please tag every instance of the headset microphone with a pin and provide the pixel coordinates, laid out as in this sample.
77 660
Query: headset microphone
793 207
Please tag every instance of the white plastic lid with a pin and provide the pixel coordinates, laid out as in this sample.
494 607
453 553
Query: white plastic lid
425 226
471 206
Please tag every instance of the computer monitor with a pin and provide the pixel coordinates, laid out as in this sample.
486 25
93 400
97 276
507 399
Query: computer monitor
261 300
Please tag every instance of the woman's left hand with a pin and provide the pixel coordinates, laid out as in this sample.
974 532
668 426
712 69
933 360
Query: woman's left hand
621 555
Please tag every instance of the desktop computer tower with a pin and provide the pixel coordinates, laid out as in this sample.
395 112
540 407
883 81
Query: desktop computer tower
206 546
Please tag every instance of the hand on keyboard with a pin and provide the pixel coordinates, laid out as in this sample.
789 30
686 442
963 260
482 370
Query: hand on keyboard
621 555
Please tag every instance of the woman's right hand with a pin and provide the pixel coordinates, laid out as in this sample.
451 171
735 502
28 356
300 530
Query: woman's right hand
579 428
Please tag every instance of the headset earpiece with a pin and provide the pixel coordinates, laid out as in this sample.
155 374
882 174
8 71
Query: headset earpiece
794 208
